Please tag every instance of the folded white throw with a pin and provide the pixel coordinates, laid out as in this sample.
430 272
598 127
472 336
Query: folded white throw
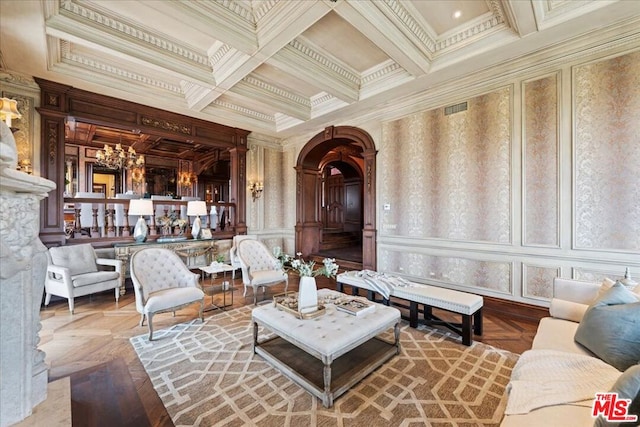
382 283
549 377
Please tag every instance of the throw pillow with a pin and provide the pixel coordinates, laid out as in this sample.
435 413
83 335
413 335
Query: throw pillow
79 259
610 328
627 387
608 283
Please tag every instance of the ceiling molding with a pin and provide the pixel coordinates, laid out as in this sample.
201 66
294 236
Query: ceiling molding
282 67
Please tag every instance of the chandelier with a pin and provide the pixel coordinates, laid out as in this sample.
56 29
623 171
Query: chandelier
118 158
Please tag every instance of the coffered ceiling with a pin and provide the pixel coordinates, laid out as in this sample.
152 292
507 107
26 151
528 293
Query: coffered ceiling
281 67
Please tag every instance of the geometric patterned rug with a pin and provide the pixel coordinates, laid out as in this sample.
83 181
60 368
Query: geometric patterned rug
207 375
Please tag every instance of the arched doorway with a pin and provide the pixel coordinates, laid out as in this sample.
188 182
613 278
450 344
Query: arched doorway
352 152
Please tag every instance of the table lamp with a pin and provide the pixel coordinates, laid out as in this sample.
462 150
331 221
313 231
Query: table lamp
197 209
140 207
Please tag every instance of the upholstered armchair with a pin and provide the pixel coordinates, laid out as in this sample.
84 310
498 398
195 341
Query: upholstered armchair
163 283
234 260
259 267
73 271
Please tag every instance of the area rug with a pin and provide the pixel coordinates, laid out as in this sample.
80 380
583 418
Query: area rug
207 375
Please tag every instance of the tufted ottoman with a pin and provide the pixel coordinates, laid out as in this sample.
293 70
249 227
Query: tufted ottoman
326 355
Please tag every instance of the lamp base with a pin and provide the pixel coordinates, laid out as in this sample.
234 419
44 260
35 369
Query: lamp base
195 229
141 230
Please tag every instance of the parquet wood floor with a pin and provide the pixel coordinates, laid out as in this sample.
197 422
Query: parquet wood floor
109 386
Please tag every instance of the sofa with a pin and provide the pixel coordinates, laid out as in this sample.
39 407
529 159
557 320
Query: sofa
553 345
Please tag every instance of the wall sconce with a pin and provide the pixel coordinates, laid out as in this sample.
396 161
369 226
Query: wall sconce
256 190
9 111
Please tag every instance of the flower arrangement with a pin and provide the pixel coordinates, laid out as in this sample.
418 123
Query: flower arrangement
304 268
168 222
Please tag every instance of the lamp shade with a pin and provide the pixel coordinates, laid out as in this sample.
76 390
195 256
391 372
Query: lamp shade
140 207
9 110
196 208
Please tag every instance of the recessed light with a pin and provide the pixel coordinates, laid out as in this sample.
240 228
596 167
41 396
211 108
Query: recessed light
457 14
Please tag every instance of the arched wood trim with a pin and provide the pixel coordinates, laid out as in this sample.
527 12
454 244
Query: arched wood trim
308 177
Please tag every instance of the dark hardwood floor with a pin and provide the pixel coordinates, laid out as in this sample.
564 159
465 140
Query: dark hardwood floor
109 386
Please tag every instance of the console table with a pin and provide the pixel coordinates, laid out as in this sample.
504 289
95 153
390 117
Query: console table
194 253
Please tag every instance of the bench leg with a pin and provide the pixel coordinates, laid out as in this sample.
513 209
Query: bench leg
413 314
466 329
371 296
428 314
477 322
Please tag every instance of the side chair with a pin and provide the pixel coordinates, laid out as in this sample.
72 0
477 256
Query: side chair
234 260
259 267
163 283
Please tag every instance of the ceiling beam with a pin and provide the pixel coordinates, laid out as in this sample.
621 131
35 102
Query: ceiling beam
398 36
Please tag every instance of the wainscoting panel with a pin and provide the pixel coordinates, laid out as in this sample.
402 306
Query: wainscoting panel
607 154
461 272
540 161
536 280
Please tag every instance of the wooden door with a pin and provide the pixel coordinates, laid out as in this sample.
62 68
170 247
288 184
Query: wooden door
334 202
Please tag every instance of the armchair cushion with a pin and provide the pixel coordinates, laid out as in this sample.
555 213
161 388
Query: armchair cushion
79 259
93 278
267 276
174 297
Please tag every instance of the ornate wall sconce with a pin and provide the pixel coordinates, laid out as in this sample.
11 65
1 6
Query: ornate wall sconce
256 190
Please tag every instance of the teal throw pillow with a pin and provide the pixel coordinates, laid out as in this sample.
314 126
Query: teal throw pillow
627 387
610 328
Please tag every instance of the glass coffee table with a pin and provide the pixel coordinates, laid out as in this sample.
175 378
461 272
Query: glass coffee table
225 286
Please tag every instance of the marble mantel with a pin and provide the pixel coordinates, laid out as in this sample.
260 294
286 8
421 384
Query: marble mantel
23 372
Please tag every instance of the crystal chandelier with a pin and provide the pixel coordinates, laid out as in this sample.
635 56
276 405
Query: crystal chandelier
118 158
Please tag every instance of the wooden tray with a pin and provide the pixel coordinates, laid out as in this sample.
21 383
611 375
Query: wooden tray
289 302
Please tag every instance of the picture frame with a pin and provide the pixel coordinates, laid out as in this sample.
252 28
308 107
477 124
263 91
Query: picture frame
205 233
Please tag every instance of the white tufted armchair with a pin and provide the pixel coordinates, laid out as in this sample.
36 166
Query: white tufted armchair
259 267
162 283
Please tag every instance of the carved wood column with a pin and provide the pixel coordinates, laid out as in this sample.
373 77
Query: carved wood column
53 112
369 232
239 182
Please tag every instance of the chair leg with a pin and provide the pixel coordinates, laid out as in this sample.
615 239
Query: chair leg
202 310
142 320
245 291
47 299
117 294
71 304
255 295
149 318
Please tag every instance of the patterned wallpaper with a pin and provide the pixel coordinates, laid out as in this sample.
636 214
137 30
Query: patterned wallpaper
453 172
540 122
446 189
607 154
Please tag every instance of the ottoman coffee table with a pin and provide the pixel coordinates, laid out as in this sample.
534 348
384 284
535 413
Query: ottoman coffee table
328 354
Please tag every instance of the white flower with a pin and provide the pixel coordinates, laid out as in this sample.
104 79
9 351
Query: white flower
329 267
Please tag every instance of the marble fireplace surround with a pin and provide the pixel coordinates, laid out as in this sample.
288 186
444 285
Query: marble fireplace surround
23 373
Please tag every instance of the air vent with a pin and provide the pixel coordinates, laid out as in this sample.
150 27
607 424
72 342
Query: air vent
452 109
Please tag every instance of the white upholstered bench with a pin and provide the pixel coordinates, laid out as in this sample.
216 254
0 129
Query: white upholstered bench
465 304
